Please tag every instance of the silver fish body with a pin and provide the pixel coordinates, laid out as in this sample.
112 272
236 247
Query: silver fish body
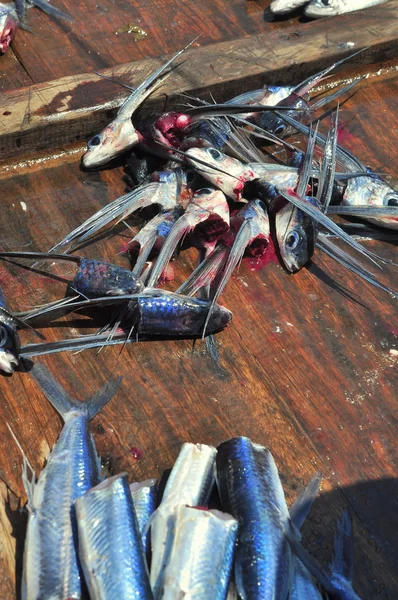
110 547
201 557
190 483
251 491
325 8
144 494
51 567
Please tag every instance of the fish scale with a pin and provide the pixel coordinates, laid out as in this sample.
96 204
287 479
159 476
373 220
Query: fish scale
110 545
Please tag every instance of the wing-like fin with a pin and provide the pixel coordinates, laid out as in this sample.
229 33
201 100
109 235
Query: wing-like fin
343 561
182 226
120 208
205 272
322 219
346 158
328 167
305 86
304 501
334 95
342 257
28 482
148 86
52 10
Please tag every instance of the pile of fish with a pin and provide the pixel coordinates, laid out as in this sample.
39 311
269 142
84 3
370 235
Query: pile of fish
127 541
215 185
316 9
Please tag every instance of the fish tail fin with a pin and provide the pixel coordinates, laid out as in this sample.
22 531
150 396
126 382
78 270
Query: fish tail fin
304 501
343 560
28 482
63 402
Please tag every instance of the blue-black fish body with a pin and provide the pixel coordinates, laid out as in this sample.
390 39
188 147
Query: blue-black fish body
251 491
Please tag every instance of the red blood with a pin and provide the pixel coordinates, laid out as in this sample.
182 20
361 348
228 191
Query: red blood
182 121
168 274
200 508
125 248
243 382
136 453
257 262
6 113
343 134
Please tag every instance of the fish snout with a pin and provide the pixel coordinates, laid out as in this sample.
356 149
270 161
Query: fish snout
220 317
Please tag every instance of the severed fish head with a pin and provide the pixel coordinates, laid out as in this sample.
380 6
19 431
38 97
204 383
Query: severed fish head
9 348
225 172
282 7
116 138
372 192
296 234
8 25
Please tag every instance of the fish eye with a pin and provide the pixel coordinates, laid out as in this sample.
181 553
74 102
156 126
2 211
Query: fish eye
204 192
325 2
190 175
292 240
3 336
214 153
392 201
279 129
95 141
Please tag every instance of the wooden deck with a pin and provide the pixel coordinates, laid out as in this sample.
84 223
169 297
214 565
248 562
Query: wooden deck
310 359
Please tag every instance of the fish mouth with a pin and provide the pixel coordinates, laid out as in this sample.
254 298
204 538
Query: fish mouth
8 34
8 362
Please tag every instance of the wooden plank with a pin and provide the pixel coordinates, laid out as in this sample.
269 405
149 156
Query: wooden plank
53 114
91 43
310 373
12 75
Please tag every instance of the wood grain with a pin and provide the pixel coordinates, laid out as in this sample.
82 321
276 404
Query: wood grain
309 369
56 113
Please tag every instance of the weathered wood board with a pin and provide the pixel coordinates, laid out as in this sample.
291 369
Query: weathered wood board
310 359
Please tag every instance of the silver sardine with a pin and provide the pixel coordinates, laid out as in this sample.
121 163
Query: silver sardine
144 495
51 569
200 562
110 547
190 483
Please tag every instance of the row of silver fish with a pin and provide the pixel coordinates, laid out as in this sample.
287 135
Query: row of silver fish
122 543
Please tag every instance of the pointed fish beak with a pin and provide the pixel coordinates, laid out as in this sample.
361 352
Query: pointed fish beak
8 362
